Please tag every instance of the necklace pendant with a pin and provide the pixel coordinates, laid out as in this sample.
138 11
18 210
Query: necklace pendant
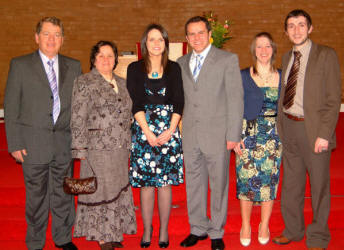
155 74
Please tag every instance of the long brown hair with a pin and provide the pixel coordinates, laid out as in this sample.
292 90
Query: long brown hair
253 51
144 50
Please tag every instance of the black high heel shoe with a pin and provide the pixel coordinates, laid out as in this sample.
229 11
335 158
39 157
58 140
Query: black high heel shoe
146 244
163 244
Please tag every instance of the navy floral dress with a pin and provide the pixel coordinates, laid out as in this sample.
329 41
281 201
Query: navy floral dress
258 168
156 166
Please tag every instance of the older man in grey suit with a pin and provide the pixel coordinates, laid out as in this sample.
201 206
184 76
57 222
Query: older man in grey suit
212 123
37 116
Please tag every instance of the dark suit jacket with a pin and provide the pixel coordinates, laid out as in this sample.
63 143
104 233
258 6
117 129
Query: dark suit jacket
321 97
28 107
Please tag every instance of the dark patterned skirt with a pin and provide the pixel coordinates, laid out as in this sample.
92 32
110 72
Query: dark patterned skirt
156 166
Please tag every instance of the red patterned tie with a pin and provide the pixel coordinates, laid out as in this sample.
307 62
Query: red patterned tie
290 90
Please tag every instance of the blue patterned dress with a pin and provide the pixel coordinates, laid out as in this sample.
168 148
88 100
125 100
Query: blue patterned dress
258 167
156 166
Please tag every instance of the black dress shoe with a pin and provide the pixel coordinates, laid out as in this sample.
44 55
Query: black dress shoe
146 244
192 240
217 244
117 244
164 244
67 246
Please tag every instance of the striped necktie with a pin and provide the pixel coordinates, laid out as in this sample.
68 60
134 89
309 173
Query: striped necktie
290 90
197 67
54 90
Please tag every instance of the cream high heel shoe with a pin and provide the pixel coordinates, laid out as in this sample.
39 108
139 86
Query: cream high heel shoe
263 240
245 241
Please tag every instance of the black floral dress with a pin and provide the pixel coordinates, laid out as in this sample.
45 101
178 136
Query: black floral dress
156 166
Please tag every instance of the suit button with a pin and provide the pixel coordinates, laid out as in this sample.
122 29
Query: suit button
119 99
51 115
119 111
53 130
120 124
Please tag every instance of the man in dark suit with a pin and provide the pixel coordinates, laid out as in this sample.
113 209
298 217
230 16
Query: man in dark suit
307 116
37 115
212 123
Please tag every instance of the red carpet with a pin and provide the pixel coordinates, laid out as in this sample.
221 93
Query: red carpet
13 226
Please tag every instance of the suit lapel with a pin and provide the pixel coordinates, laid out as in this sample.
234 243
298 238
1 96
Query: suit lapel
309 67
187 67
285 66
283 83
39 69
208 61
63 68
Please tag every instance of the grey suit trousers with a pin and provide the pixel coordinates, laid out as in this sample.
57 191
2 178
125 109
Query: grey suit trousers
44 193
298 159
200 169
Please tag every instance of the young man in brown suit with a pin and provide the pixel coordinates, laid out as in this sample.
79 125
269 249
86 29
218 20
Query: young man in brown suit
307 117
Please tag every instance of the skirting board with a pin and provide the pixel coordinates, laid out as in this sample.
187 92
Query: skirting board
2 111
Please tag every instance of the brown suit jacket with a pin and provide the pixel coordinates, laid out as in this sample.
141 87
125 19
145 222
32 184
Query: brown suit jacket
322 94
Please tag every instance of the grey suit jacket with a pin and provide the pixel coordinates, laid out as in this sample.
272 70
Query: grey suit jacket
321 97
214 104
28 107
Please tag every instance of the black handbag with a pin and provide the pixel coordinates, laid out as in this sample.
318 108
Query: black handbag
80 186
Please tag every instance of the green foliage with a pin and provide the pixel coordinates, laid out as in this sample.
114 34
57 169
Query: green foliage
220 32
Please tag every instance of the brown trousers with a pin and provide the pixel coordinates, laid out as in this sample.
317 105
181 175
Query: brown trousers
298 160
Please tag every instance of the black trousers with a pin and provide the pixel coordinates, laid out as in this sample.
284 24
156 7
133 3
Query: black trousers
44 194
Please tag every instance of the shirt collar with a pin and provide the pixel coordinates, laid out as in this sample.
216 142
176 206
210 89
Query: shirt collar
204 53
305 49
46 59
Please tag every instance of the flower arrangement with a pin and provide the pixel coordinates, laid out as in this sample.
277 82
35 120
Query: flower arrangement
220 32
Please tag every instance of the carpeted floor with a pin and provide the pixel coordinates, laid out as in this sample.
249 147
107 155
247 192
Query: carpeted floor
13 226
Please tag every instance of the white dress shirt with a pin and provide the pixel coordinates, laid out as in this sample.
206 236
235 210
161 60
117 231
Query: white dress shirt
204 54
